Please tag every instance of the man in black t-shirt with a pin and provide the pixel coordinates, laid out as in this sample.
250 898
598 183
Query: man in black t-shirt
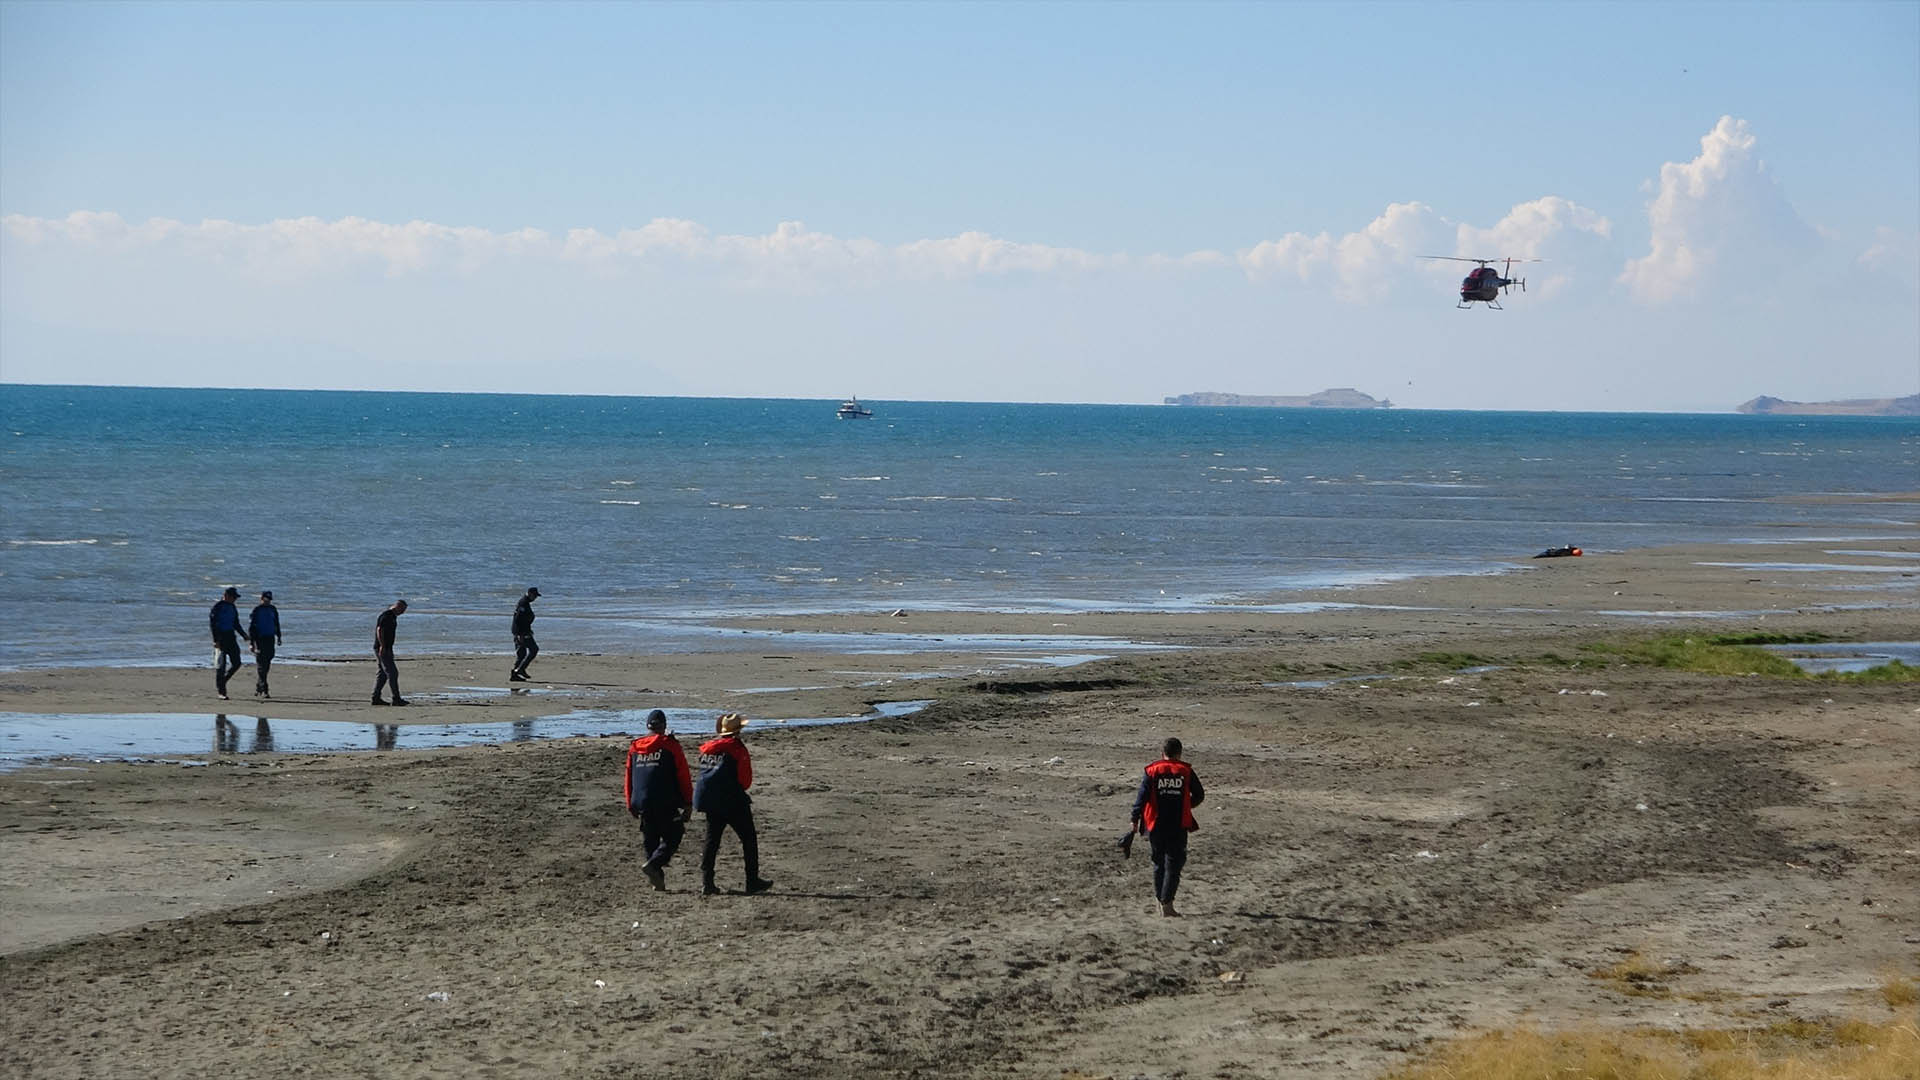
384 629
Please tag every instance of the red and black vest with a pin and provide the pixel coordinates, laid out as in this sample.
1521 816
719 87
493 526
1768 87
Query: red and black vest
1168 793
657 775
726 772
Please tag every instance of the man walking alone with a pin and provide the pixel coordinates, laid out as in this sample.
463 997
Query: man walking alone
726 772
384 629
263 627
524 647
659 791
1164 811
224 621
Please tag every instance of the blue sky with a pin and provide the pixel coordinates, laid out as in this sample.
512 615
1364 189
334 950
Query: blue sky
1051 202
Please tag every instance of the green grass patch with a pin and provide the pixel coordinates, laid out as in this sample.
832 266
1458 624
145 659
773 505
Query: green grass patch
1741 654
1702 655
1892 671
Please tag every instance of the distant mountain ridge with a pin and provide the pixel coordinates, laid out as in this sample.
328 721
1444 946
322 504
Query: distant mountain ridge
1343 398
1900 406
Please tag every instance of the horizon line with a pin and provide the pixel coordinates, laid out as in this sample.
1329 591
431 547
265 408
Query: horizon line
1732 411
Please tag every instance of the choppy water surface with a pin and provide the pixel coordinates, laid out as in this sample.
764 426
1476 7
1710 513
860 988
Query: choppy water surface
125 510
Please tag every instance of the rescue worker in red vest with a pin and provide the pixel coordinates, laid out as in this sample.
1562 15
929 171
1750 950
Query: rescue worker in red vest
659 791
726 772
1164 811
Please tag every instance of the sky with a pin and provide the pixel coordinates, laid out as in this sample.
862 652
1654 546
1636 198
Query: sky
992 202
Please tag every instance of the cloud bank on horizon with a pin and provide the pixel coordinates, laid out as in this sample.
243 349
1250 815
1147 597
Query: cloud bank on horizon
1719 230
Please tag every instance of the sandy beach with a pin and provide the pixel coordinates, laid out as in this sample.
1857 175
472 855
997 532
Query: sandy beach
1433 808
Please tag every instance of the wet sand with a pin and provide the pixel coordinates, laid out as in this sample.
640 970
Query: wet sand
1387 859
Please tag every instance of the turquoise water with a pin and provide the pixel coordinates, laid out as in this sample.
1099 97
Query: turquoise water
125 510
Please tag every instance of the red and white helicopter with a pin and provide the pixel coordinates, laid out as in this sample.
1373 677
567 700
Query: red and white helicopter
1486 284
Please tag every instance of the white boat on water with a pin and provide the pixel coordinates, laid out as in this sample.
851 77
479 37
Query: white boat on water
851 409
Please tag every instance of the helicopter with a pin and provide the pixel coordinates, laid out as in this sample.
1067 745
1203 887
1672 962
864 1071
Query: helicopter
1485 284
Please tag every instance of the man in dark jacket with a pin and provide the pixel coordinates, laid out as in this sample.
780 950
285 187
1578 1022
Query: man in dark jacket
224 621
1164 811
726 772
524 647
263 628
659 791
385 628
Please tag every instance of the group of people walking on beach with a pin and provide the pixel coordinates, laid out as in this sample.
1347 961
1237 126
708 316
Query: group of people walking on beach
659 787
660 790
262 636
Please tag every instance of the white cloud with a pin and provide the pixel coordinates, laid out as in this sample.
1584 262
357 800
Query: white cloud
1529 229
293 246
1551 228
1356 263
289 246
1356 266
1362 265
1720 212
1895 254
1295 253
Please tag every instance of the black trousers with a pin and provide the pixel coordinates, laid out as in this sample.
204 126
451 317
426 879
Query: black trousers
389 673
1169 856
740 820
228 660
660 831
262 660
524 650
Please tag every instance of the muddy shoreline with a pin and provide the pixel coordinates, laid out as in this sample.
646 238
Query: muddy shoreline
1382 862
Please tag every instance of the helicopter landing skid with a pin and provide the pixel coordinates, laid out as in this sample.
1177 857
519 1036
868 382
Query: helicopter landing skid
1467 305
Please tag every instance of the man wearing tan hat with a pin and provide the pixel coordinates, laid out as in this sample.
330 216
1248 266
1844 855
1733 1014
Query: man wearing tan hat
726 772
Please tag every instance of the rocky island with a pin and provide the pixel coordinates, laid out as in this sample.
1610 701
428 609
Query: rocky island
1343 398
1773 406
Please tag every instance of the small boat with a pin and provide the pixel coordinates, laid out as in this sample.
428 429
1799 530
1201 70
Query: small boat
851 409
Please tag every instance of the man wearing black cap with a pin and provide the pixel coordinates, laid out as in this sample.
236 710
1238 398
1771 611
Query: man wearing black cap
659 791
224 621
263 628
524 647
